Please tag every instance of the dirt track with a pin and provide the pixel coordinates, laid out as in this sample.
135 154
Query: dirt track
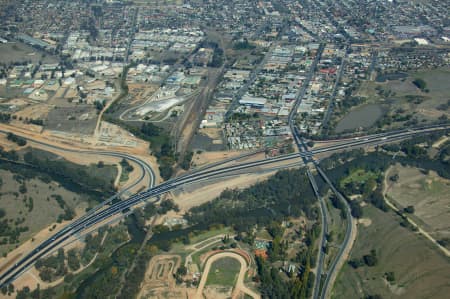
159 275
240 287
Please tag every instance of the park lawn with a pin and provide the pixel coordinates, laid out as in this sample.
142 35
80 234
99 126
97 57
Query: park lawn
196 256
223 272
263 234
198 241
420 270
436 80
368 91
210 233
358 176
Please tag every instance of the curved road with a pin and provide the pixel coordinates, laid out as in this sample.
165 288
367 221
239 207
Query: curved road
123 207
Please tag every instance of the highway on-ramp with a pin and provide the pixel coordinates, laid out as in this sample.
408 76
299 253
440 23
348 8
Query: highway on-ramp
107 211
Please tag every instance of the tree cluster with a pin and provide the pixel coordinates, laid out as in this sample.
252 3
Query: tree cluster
285 194
369 260
16 139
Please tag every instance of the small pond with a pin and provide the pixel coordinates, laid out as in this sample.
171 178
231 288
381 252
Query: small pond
364 116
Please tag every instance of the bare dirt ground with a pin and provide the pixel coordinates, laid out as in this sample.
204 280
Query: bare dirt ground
77 142
31 277
213 133
159 281
365 221
38 111
204 158
239 287
46 137
195 195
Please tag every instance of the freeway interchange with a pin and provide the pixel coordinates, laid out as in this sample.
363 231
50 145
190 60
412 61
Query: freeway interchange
108 209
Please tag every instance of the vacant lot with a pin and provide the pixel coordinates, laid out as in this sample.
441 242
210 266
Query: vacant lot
18 52
78 119
420 270
427 193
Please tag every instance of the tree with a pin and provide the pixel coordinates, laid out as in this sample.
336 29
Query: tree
275 229
409 209
420 83
394 178
371 259
10 288
390 276
357 211
355 263
72 260
182 270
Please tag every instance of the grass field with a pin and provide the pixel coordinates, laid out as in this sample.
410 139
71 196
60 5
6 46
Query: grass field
420 270
108 173
18 52
358 176
402 101
223 272
210 233
45 208
428 193
336 229
32 199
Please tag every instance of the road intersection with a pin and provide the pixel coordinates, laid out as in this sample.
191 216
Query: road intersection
108 209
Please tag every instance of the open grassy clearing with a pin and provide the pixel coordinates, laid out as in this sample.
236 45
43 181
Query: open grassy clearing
336 231
427 193
358 176
401 100
209 234
41 189
224 272
197 242
39 211
100 171
420 270
19 52
437 81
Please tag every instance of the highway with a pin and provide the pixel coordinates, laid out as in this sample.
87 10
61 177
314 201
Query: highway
307 159
104 211
351 223
323 292
145 167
